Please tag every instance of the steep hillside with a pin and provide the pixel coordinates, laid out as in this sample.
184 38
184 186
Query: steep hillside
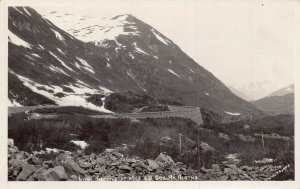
129 56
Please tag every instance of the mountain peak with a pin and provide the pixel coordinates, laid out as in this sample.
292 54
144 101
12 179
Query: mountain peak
133 56
108 28
283 91
124 17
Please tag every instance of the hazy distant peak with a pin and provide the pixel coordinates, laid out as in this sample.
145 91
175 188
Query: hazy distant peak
239 93
283 91
259 89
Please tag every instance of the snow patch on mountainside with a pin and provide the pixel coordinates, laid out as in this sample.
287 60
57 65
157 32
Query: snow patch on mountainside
85 66
61 51
93 29
131 55
17 10
101 44
29 57
17 41
82 83
34 86
13 103
81 89
27 12
138 49
70 99
105 90
159 37
57 35
62 62
78 66
41 47
36 55
130 75
57 69
171 71
230 113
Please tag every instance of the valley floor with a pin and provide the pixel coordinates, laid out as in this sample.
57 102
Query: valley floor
69 144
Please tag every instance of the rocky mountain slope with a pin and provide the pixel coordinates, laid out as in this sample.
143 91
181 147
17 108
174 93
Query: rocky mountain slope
58 68
111 165
280 101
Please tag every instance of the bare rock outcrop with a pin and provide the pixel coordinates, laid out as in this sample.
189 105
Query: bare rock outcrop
113 165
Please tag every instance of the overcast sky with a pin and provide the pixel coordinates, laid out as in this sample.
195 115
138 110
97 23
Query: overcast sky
240 42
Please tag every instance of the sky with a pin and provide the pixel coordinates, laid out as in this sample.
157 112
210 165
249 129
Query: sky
240 42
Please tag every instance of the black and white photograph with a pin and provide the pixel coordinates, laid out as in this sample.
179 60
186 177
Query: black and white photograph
151 91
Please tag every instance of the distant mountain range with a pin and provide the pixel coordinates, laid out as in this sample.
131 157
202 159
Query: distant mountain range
278 102
239 93
50 66
283 91
258 89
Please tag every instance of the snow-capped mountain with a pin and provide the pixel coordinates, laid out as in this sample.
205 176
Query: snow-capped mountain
108 28
121 54
280 101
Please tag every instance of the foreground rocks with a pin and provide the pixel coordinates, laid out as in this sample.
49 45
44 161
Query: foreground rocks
113 165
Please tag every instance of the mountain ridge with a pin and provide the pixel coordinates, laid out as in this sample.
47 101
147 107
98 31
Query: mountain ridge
283 91
148 63
279 102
